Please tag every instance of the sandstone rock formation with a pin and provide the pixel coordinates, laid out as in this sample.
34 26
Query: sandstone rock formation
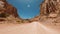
8 13
50 12
7 8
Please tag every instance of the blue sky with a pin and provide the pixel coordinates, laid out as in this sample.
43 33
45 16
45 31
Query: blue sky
27 8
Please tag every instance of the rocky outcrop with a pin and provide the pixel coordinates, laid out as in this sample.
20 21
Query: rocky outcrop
49 12
7 8
50 8
8 13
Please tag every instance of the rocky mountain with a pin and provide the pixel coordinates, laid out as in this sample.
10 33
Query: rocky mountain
49 12
8 13
7 8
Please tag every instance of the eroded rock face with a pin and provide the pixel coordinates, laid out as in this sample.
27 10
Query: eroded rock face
7 8
1 5
8 13
50 12
50 9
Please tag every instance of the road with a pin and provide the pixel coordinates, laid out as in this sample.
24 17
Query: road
30 28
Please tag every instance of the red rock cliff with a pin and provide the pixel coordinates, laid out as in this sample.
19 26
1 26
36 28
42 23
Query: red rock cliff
7 8
50 12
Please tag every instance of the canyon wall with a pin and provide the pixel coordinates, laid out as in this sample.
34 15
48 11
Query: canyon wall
49 11
7 8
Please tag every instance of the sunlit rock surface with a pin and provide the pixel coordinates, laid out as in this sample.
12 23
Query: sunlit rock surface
8 13
49 12
7 8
